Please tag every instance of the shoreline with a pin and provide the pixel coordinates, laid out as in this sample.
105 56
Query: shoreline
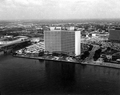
41 58
93 63
102 64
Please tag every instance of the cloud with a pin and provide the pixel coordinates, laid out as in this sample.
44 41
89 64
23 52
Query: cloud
59 9
23 3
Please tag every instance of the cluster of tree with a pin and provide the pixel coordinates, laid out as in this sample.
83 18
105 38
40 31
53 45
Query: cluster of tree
96 54
86 53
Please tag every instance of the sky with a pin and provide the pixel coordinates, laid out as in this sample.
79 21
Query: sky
59 9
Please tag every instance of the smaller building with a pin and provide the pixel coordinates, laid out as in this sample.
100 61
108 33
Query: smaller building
114 35
71 28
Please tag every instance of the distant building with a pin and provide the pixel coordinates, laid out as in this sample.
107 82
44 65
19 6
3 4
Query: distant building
63 40
93 35
72 28
114 35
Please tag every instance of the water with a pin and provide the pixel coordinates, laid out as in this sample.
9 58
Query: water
34 77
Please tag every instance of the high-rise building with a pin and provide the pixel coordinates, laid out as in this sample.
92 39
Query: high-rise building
63 40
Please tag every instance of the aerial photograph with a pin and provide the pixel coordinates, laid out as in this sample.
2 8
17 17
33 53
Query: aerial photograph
59 47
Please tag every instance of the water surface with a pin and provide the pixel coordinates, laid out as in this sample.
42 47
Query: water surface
34 77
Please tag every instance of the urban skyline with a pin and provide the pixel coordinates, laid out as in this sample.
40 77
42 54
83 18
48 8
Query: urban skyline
59 47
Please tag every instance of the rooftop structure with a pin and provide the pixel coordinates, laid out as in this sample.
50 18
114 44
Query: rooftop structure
56 28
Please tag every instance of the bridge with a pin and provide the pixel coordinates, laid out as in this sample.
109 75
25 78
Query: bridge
10 47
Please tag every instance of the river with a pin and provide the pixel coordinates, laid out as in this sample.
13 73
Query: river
20 76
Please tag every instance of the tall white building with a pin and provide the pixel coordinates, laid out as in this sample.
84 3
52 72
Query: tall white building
63 40
77 43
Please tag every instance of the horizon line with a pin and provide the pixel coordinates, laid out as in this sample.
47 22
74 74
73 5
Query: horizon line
59 19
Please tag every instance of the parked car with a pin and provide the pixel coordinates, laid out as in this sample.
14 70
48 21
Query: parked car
116 56
106 58
118 61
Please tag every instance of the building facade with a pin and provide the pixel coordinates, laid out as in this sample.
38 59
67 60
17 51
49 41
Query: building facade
63 41
114 35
